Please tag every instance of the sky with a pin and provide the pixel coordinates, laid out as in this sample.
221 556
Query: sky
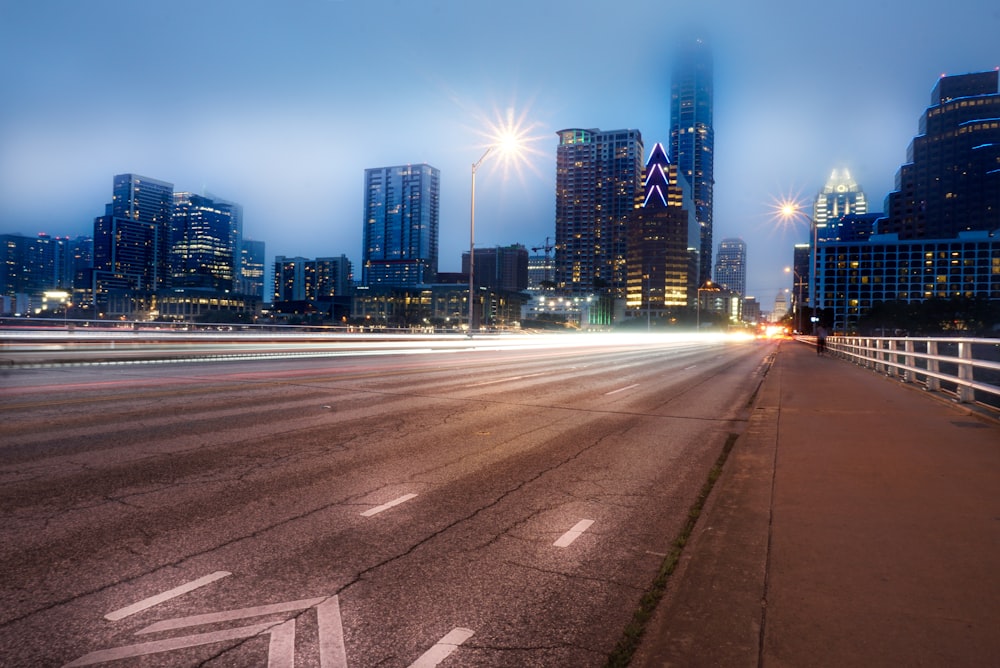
281 105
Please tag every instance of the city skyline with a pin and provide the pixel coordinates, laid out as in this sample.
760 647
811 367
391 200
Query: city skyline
282 111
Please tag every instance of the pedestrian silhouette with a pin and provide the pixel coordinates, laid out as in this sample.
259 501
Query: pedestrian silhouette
820 340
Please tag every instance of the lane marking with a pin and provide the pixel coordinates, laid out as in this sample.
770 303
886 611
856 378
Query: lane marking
332 651
281 647
621 389
230 615
165 596
281 641
507 380
386 506
567 538
688 368
168 645
443 648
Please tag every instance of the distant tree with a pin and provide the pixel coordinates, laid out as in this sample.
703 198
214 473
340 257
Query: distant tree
933 317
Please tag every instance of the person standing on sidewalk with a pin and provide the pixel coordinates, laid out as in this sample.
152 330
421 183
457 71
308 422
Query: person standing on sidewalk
820 340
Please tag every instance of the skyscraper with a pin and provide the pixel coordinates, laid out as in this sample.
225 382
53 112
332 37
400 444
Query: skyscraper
598 175
132 241
401 225
663 251
841 196
202 251
951 180
251 268
692 137
731 266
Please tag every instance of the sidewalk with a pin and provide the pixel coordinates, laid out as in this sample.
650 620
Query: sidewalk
856 523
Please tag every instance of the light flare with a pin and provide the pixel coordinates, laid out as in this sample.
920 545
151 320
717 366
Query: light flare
511 137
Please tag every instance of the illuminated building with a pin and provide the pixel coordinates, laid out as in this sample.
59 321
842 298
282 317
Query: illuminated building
692 136
841 196
598 175
951 179
202 244
731 265
251 266
400 245
132 245
854 276
302 279
663 238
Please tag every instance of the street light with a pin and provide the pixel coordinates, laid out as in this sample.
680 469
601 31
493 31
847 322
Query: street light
792 210
508 142
708 288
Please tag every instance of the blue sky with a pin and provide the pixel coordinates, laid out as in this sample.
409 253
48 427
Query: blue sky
281 105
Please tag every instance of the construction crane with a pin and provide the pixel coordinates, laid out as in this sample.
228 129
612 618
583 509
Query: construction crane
547 248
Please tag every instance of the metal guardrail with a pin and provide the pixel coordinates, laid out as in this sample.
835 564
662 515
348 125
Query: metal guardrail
966 369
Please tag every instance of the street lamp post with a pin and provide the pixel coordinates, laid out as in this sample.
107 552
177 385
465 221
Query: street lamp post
793 210
798 300
472 239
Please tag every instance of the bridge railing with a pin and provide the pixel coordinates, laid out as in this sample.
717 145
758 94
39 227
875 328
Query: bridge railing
965 368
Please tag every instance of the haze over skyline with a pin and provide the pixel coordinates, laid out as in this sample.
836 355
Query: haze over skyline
281 106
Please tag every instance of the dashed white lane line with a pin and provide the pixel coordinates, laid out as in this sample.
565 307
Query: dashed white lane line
621 389
443 648
165 596
386 506
567 538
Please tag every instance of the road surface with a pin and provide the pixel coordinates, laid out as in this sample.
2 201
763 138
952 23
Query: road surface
473 508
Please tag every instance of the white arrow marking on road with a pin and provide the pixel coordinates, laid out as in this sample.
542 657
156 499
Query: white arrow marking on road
167 645
621 389
165 596
443 648
386 506
281 646
231 615
567 538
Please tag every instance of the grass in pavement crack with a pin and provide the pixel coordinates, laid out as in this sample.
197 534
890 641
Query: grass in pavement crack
629 642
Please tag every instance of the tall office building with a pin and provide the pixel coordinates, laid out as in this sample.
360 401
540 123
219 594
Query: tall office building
692 137
251 267
202 250
951 179
132 240
598 176
500 268
302 279
663 251
841 196
731 266
401 225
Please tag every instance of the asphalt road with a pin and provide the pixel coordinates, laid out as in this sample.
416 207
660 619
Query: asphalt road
473 508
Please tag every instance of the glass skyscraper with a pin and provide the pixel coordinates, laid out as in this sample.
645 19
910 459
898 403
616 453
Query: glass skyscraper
692 137
202 248
598 177
401 225
132 239
731 266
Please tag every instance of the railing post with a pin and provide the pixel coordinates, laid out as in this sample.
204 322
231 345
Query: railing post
933 384
965 393
880 366
909 375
